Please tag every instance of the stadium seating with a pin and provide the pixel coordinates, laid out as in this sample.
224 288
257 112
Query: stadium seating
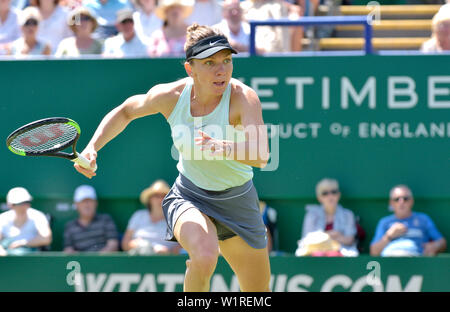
401 27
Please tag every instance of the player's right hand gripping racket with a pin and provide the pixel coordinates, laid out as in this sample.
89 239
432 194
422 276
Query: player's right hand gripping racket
48 137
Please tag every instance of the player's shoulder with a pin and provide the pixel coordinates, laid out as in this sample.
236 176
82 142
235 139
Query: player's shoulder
168 91
241 90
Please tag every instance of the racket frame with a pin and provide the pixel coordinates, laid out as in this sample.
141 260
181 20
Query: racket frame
52 152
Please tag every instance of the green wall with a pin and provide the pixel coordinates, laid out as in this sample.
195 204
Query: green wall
369 121
102 273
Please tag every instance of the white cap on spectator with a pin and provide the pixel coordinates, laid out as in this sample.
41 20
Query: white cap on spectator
18 195
29 13
84 192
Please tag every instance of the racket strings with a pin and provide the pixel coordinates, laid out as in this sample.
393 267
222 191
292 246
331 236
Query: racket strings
45 137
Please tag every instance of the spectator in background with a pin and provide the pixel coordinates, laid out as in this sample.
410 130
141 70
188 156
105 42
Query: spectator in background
270 220
105 12
82 23
170 39
205 12
331 218
91 231
9 22
145 20
440 38
269 38
127 43
406 233
147 227
233 26
22 229
53 27
28 44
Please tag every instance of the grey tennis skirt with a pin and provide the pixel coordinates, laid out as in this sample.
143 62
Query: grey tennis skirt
234 211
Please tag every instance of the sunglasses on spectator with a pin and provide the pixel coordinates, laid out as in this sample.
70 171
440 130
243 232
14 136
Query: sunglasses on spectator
31 22
405 198
326 193
127 20
85 18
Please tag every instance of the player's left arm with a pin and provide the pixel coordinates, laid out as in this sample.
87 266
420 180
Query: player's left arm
254 150
256 145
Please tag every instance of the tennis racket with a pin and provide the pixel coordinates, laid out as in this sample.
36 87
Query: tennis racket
48 137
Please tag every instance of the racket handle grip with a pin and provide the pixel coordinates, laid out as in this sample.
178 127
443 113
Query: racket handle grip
84 162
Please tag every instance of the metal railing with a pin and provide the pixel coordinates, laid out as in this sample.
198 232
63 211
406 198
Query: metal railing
365 20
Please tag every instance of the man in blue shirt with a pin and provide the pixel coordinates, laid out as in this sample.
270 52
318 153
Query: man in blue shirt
406 233
105 11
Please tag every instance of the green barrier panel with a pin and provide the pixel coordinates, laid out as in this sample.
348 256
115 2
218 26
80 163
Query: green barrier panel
166 273
369 121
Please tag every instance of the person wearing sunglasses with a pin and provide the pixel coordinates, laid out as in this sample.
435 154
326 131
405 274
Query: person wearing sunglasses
28 44
406 233
127 43
83 23
330 217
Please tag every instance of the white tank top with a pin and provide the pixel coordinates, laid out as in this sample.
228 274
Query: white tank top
215 174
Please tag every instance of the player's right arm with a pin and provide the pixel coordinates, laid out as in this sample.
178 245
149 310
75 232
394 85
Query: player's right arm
137 106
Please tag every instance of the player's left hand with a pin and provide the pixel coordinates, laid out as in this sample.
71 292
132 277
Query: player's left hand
215 146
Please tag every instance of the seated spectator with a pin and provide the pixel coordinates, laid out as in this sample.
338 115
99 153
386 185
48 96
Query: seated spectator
170 39
28 44
406 233
331 218
91 231
269 215
22 229
127 43
233 26
53 27
145 20
9 22
440 38
83 24
147 227
269 38
205 12
105 12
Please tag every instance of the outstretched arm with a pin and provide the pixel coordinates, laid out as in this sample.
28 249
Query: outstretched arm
117 120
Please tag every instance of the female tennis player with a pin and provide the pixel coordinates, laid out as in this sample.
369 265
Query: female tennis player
213 203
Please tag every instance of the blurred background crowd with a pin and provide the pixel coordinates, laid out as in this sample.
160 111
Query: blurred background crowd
157 28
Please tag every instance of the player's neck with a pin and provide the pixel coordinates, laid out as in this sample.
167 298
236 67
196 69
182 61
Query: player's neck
201 97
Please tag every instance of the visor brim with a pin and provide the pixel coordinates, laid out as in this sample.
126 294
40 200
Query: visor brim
211 51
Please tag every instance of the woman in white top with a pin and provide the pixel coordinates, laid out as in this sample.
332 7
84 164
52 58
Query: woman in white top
53 27
220 209
22 228
83 24
146 229
9 23
28 44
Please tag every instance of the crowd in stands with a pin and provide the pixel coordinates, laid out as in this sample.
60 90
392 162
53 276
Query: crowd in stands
329 229
157 28
137 28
